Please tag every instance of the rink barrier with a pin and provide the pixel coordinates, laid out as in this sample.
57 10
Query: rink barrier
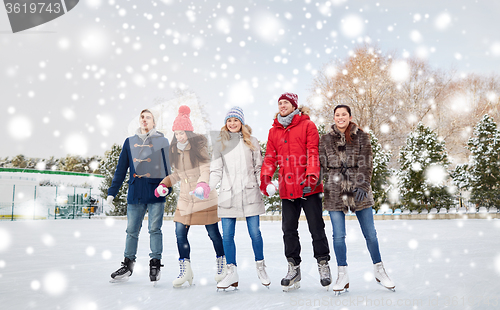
276 218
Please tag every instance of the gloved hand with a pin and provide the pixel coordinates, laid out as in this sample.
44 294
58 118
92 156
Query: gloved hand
265 180
202 191
310 183
360 194
109 200
161 190
272 188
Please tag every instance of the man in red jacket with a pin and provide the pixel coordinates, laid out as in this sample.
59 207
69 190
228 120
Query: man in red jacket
292 145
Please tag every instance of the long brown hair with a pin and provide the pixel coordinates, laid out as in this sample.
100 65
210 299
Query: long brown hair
198 142
348 138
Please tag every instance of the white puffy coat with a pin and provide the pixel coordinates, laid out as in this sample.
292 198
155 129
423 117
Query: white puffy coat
237 168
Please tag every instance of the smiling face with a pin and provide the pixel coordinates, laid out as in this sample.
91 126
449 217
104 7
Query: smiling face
233 124
285 107
146 122
342 119
181 136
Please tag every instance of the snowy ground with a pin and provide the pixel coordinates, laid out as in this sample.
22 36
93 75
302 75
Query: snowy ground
65 264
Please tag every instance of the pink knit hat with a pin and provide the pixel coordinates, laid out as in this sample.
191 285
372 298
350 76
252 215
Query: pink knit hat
182 121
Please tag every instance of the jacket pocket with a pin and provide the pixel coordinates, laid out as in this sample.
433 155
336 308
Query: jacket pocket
225 197
252 193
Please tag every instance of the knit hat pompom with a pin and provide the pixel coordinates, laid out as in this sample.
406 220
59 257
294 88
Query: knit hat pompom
184 110
182 121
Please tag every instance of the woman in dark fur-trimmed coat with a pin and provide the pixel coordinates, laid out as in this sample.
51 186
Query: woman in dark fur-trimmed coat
346 159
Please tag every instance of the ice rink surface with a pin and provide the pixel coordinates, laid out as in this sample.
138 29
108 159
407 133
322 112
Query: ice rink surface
66 264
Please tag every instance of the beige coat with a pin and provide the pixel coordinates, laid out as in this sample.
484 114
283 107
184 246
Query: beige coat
191 210
237 169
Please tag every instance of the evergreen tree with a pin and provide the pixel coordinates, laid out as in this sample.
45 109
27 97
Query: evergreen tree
72 163
422 175
484 163
272 203
381 173
107 167
171 199
19 161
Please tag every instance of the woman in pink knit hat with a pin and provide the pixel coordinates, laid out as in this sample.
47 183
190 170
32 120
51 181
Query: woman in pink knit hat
197 205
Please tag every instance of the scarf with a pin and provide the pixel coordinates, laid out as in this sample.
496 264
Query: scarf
182 146
287 120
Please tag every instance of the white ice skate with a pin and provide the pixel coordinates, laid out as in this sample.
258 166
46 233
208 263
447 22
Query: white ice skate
221 268
262 274
342 283
382 277
185 275
231 279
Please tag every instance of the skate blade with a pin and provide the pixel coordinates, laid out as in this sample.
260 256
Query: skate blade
338 293
292 287
389 288
225 289
122 280
183 286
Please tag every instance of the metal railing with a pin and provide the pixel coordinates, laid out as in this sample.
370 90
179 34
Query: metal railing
19 201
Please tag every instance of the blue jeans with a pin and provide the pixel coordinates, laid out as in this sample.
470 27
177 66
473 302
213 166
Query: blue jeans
135 216
365 218
228 228
181 232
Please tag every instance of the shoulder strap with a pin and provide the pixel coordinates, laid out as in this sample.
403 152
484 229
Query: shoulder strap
165 163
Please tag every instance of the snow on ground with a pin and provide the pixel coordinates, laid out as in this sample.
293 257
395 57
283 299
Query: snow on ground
66 264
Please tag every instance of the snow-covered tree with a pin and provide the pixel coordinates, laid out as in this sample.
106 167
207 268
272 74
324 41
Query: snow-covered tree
272 203
484 163
423 173
107 167
381 173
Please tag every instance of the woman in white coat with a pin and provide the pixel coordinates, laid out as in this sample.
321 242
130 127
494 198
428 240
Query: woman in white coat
236 166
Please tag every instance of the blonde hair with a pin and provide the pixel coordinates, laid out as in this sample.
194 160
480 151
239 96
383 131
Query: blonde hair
245 130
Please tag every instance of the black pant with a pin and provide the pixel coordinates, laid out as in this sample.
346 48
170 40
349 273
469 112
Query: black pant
290 223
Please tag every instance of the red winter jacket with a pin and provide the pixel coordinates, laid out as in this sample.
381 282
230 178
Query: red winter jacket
295 150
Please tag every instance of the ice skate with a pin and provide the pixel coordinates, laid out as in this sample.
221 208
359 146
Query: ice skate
221 268
231 279
124 272
382 277
262 274
185 275
292 279
324 274
342 283
154 270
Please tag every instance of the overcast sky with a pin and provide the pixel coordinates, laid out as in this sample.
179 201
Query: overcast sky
74 84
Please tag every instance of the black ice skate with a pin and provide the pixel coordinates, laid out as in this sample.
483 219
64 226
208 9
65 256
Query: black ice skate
124 272
154 270
324 273
292 279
